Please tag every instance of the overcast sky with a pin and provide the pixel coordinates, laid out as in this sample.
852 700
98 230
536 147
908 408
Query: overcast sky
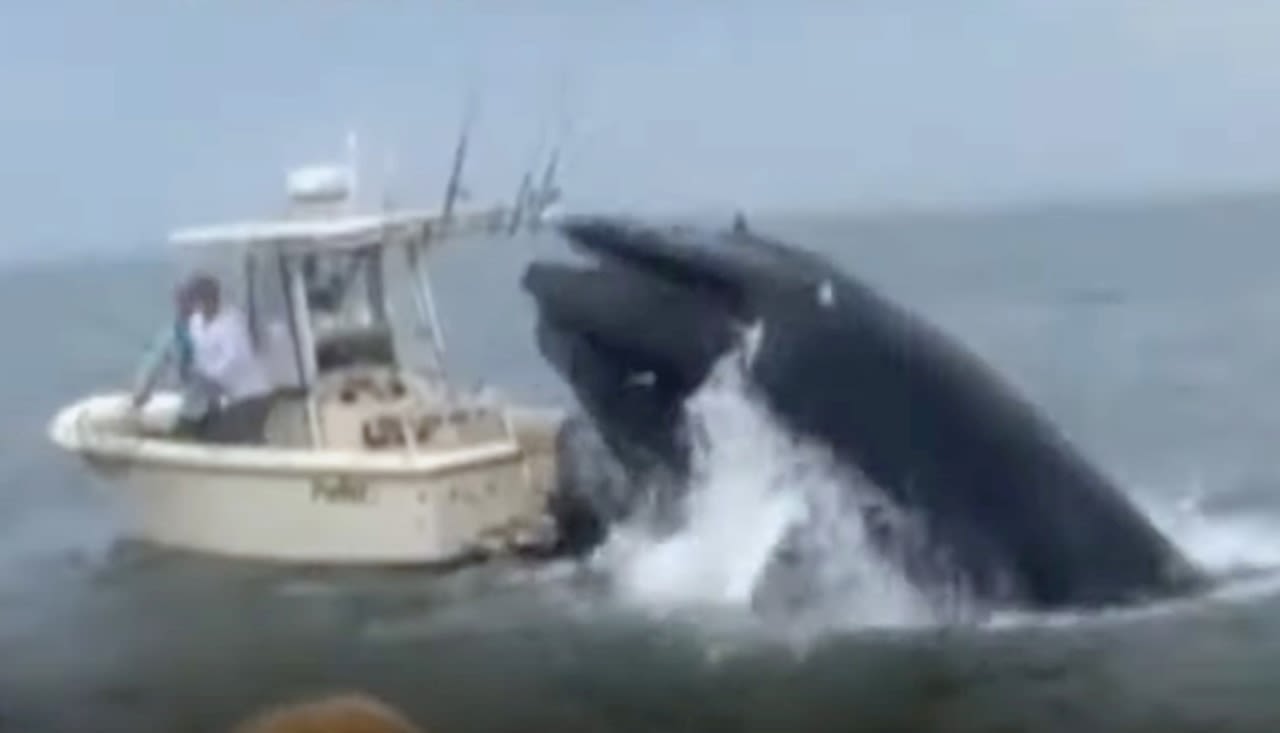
121 119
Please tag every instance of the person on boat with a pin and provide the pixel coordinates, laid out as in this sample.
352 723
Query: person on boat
223 353
171 352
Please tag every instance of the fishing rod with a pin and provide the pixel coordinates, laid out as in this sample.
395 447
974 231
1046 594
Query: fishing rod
454 190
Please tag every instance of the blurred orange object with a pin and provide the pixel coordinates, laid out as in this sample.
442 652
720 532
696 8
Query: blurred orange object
347 713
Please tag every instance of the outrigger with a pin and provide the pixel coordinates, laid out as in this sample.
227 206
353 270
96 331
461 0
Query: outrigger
366 458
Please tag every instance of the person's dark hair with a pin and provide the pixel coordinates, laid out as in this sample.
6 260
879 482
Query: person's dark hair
202 287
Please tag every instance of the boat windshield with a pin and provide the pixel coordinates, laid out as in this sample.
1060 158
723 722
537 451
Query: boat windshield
267 305
344 289
346 310
346 300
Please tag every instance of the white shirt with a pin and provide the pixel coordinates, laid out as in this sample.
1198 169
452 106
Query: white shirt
224 354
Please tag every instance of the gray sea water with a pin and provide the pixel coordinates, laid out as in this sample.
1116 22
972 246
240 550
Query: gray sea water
1151 333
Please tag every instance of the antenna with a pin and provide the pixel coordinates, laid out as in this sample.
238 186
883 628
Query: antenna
548 187
548 192
353 165
389 171
523 195
533 200
455 191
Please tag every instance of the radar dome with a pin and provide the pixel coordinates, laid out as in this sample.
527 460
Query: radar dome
319 184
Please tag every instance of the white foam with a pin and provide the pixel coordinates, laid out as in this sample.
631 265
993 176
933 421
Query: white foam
752 486
1221 543
734 516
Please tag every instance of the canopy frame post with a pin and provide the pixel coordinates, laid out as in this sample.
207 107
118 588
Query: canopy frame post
424 299
303 341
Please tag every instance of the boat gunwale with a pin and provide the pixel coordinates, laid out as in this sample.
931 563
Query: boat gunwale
69 431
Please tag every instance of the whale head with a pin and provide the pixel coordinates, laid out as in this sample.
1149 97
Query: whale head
637 327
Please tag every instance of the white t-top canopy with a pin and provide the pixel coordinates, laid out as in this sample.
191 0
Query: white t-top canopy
336 231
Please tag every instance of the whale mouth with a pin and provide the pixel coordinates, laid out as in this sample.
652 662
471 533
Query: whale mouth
661 305
630 318
633 330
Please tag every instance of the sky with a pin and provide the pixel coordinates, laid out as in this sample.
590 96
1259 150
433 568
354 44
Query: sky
123 118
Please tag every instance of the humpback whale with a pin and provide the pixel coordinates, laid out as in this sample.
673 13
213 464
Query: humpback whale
1021 517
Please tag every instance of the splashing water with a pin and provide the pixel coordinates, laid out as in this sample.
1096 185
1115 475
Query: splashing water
757 493
773 522
1223 543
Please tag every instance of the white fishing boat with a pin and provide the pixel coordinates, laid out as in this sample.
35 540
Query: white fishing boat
367 458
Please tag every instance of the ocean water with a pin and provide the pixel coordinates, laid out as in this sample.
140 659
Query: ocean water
1150 333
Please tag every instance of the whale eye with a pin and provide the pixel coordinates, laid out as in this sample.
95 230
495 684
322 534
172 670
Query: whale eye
826 294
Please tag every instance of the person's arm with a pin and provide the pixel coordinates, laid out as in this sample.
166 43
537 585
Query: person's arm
154 363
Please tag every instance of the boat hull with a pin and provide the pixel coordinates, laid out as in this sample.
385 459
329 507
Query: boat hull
300 506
